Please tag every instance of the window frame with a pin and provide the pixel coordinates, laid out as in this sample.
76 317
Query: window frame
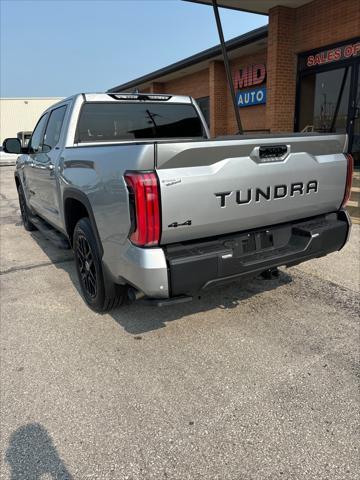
61 128
43 132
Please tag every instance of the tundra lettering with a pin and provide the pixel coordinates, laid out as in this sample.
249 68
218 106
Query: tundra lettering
259 192
129 185
269 193
238 197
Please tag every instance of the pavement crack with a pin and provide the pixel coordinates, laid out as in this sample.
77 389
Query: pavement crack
32 267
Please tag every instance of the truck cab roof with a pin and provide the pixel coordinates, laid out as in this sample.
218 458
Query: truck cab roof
136 96
127 96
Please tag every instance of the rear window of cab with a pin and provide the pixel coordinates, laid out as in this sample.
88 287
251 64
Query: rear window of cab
104 122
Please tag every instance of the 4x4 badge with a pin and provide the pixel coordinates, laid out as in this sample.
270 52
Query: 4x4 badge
176 224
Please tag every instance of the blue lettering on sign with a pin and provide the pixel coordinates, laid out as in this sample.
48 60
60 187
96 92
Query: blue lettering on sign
255 96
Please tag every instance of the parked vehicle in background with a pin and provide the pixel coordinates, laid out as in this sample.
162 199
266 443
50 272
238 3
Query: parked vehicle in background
152 206
24 138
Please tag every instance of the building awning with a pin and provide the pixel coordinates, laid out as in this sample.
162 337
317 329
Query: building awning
254 6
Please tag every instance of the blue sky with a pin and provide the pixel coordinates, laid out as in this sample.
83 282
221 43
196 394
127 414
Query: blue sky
57 48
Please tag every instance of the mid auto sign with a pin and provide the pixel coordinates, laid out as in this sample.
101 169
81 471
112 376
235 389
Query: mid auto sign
250 76
255 96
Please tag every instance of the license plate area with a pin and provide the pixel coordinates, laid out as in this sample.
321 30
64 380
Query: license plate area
250 243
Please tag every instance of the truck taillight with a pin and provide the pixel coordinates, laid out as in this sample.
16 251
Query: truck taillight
350 169
144 189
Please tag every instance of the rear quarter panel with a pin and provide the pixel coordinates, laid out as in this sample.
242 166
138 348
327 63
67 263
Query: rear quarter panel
98 172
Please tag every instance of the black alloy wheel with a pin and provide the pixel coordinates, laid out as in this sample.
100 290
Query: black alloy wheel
99 293
86 265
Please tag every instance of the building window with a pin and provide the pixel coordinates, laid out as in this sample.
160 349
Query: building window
204 104
328 92
325 101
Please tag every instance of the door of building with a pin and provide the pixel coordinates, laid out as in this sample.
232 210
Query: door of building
328 93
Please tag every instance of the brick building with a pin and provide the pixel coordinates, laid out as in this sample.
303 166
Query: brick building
301 72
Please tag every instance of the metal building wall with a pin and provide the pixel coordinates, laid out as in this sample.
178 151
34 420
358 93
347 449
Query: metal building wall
21 114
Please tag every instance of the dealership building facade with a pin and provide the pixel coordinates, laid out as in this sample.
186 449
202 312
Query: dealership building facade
299 73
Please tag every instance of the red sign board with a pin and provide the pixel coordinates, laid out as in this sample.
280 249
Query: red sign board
249 76
333 55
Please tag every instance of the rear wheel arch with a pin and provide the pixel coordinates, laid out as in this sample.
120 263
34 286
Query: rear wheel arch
77 206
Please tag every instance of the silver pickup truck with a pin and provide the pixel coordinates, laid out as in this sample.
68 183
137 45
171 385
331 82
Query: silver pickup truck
151 205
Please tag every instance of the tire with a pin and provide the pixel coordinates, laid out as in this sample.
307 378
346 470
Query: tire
98 295
24 209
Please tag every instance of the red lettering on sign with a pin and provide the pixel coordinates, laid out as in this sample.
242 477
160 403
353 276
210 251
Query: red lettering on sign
337 54
258 74
241 78
318 59
249 75
348 51
333 55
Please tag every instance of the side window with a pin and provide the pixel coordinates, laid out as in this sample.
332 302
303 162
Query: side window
38 134
53 129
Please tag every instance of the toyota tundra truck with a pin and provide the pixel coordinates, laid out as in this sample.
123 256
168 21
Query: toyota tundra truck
152 206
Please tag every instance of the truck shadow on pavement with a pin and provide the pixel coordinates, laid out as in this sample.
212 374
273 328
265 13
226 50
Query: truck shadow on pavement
32 454
140 317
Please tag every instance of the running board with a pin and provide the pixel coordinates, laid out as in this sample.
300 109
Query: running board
53 235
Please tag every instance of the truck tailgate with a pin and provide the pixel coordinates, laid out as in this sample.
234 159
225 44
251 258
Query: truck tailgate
216 187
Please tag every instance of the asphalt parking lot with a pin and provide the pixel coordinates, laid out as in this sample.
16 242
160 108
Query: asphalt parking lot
254 381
